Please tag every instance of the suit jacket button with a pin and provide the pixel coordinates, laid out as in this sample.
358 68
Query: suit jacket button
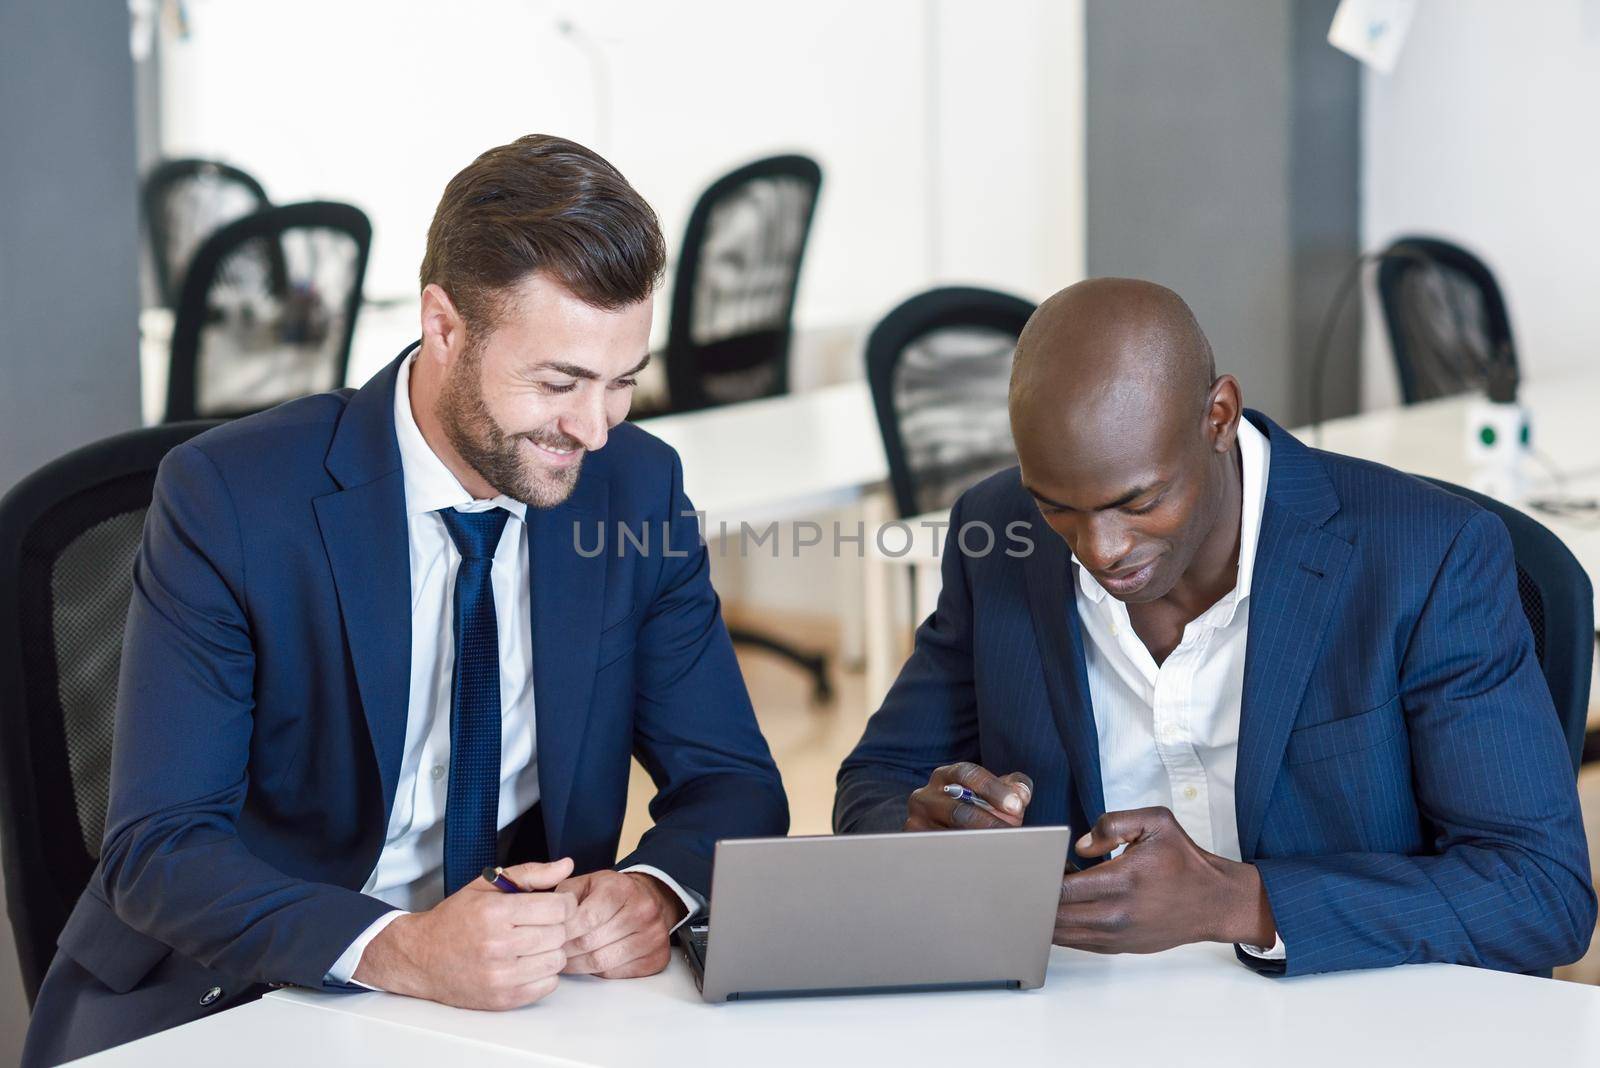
211 995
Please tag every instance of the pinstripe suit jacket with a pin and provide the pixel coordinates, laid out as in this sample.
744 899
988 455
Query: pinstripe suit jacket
1402 785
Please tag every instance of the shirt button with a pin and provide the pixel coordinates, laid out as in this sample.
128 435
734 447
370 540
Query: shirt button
437 772
1189 793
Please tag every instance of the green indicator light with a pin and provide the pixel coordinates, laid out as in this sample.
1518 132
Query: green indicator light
1486 435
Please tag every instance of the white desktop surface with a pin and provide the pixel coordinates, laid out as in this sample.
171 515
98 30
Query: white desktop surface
1191 1006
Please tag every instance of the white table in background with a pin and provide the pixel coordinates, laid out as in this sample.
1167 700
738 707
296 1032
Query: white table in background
1424 439
1190 1006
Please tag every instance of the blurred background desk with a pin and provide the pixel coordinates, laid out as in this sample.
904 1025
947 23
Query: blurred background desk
1192 1006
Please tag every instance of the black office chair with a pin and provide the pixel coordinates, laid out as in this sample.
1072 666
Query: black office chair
939 366
1559 603
184 202
733 312
68 536
734 289
1445 318
268 310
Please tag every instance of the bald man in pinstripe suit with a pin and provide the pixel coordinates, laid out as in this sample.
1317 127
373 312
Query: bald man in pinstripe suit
1290 697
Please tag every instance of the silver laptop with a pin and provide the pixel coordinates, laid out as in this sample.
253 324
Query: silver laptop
879 912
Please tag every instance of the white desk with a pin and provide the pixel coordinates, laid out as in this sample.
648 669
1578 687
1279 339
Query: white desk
1191 1006
1424 439
780 458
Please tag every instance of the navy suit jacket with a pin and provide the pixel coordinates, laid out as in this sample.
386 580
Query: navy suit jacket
1403 785
264 694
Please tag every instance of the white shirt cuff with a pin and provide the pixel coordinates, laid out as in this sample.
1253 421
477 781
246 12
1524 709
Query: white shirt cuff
1277 952
693 903
344 969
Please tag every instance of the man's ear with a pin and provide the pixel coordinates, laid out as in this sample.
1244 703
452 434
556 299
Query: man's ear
1224 409
444 332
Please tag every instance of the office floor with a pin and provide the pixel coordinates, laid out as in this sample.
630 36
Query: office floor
809 742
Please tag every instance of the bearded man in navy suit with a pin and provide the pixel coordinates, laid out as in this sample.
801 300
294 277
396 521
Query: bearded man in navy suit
365 658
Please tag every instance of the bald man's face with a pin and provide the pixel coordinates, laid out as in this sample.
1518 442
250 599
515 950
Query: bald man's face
1132 490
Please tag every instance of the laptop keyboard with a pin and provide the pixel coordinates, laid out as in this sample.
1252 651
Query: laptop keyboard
694 944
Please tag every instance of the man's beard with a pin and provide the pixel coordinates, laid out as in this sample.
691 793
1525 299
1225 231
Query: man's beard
495 455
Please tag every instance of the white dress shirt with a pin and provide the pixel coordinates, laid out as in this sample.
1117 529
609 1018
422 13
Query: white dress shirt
410 871
1169 732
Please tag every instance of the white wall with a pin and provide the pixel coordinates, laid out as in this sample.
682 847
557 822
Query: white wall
1488 133
381 104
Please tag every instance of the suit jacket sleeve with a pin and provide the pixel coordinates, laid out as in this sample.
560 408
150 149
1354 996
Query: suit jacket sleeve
1507 885
172 865
929 718
694 729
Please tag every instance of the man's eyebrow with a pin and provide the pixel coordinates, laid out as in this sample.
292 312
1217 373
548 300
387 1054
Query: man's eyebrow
574 371
1132 495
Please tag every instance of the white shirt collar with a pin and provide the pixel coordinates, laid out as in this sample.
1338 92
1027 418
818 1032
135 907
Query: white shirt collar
429 484
1255 454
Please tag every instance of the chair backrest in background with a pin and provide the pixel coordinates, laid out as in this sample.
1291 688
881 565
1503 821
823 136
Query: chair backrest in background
939 366
268 310
734 289
68 537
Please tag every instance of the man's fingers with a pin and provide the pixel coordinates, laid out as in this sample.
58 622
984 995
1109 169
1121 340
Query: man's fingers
1022 784
1082 938
536 966
616 954
1003 796
649 964
1099 883
1121 828
519 995
931 809
605 900
540 909
539 876
612 930
528 940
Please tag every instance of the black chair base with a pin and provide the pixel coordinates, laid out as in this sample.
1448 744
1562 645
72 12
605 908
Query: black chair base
814 664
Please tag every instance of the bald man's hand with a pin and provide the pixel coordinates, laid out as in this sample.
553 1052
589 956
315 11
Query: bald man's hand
1007 797
1163 891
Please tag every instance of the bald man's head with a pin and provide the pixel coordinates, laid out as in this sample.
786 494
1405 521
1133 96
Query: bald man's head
1121 330
1123 430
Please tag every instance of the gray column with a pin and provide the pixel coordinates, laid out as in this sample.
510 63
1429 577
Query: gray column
69 233
68 263
1223 161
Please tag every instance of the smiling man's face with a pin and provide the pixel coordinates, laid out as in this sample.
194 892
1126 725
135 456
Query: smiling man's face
523 404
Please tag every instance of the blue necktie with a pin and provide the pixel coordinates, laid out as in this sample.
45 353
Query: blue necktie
472 804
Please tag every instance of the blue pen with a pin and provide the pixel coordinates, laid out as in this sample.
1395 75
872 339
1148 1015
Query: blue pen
496 877
961 793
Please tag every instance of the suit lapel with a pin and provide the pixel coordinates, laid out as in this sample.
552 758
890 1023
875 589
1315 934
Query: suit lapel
568 595
363 528
1052 601
1294 590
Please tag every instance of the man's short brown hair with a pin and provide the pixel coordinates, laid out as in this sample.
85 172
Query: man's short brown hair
547 204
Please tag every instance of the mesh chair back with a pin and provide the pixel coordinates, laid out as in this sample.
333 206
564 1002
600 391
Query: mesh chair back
939 366
733 295
68 537
1445 317
250 334
1559 602
185 202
